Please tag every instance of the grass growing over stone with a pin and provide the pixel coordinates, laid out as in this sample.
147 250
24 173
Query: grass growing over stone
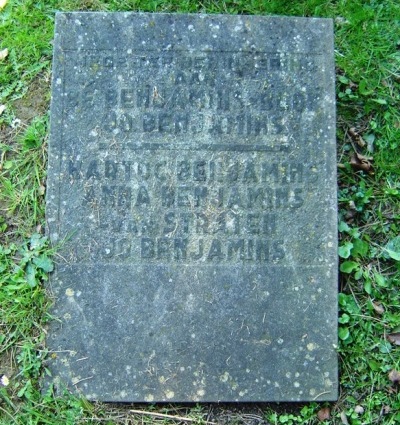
367 37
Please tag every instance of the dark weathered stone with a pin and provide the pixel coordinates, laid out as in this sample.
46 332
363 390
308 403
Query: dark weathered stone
192 190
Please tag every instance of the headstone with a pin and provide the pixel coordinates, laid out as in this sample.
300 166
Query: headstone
192 201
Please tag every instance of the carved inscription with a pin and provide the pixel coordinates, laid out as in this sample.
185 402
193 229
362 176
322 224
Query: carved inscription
194 166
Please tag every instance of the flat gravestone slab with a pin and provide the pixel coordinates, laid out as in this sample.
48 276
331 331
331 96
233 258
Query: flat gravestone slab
192 194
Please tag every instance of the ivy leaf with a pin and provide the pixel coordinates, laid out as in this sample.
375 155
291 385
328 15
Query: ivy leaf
348 266
44 263
393 254
344 333
30 273
344 227
392 249
345 250
360 248
37 241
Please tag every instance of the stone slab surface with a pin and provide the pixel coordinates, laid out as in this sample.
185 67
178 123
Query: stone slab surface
192 194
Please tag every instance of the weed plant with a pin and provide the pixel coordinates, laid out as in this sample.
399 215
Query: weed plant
367 40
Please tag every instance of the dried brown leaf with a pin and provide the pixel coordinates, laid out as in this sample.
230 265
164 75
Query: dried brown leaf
394 376
324 414
378 307
343 418
385 410
394 338
3 53
356 137
359 409
361 162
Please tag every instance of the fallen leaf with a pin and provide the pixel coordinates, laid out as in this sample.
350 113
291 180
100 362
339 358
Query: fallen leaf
394 338
378 308
394 376
361 162
359 410
356 137
2 108
3 3
385 410
343 418
324 414
3 53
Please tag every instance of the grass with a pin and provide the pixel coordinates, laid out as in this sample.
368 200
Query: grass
367 40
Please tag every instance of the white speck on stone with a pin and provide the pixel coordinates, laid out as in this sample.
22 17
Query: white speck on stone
201 393
312 391
311 346
296 384
191 28
288 375
58 81
193 336
224 377
69 292
129 51
107 251
169 394
247 370
280 341
123 394
67 316
276 384
149 397
75 380
182 369
297 374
